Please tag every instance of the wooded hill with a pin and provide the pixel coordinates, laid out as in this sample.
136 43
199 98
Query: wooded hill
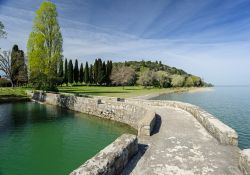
148 73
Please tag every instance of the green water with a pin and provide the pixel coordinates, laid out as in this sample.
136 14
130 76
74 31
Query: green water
38 139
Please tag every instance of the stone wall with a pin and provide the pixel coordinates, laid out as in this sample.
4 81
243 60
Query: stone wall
223 133
136 116
112 159
244 161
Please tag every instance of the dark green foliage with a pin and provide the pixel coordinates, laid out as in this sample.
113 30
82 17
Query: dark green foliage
76 71
66 72
108 72
70 72
86 73
99 72
91 77
18 67
81 74
60 72
95 72
104 74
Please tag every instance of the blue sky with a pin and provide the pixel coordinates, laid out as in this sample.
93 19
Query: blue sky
209 38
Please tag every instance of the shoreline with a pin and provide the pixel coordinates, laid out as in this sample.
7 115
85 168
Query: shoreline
174 90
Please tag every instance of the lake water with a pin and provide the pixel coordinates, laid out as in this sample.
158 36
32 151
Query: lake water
43 139
229 104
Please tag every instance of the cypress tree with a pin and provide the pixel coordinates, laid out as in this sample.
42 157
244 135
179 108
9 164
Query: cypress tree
86 73
109 71
95 72
70 72
76 71
66 72
81 74
91 74
99 71
60 72
104 73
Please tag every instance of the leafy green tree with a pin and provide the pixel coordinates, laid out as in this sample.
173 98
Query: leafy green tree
163 79
2 31
104 73
177 80
70 72
66 72
45 47
189 82
81 75
95 71
76 71
147 78
86 73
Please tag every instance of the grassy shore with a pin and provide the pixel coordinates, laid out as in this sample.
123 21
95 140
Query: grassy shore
127 91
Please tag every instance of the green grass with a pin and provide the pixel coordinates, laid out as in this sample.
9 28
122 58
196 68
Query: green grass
12 92
128 91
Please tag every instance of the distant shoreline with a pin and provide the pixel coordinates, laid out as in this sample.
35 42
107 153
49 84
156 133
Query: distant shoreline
176 90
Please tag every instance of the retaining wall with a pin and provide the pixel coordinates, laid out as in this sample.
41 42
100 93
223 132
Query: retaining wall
112 159
136 116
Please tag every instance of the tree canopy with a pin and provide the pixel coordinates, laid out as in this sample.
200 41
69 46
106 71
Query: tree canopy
45 47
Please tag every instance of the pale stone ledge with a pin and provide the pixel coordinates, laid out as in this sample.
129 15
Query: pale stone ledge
112 159
223 133
244 161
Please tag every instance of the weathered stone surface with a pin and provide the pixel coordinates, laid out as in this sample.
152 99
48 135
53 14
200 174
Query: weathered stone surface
244 162
112 159
223 133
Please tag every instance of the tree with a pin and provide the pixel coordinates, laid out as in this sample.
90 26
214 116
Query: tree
91 78
163 79
45 47
86 73
70 72
76 71
147 78
60 73
99 71
104 74
122 75
5 66
2 31
95 72
108 72
18 66
66 72
189 82
177 80
81 76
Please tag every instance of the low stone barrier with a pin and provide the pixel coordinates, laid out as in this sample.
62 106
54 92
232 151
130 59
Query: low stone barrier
244 161
140 118
223 133
112 159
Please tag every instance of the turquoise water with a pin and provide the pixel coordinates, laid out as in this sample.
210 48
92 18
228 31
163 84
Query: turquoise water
230 104
38 139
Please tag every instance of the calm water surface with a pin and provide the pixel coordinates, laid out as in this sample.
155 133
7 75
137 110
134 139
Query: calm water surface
42 139
230 104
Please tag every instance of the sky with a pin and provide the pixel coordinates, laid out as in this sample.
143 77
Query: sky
208 38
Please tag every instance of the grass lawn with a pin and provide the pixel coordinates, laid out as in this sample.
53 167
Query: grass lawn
128 91
14 92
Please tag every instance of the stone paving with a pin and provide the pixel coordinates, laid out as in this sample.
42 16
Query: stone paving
182 146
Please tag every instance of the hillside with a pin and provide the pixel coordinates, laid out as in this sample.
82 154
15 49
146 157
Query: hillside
158 74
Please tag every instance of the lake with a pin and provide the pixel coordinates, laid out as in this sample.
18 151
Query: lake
43 139
229 104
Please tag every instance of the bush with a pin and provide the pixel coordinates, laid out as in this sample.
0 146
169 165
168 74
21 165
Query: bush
4 82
